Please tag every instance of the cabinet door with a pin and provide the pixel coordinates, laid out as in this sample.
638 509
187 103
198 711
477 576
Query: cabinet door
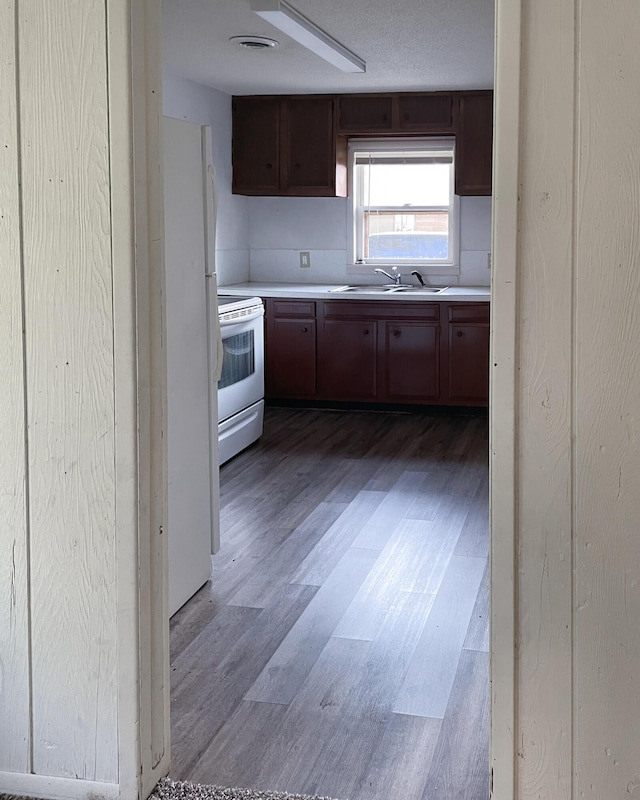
474 143
425 113
256 145
469 363
368 114
410 356
308 147
291 358
347 351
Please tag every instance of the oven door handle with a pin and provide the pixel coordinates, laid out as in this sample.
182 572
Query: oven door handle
259 312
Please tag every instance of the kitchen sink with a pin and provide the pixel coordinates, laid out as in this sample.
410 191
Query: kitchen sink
388 289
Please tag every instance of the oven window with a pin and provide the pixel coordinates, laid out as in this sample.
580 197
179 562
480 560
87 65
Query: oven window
238 361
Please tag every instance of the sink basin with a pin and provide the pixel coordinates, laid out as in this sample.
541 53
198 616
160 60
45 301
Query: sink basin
388 289
420 289
359 289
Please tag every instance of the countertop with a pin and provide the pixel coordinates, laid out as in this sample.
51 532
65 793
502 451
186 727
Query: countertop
317 291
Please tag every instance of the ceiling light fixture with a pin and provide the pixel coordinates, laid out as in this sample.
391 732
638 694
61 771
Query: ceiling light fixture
289 21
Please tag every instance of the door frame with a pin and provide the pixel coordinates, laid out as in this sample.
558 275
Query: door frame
502 416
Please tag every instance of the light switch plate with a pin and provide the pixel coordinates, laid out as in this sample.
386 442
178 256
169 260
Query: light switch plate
305 259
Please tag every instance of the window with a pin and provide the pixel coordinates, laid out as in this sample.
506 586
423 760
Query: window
403 211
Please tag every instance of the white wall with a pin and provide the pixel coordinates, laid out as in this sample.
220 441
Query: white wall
279 227
184 99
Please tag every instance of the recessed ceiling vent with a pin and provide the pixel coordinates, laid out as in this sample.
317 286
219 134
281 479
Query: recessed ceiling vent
254 42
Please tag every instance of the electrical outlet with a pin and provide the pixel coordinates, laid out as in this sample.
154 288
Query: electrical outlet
488 260
305 259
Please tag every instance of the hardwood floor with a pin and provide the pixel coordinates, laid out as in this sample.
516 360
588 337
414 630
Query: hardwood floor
341 648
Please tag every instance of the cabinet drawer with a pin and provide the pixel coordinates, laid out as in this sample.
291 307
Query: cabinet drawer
469 312
293 308
381 309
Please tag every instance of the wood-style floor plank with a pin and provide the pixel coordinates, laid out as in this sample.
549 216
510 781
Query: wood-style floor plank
459 766
326 555
235 755
400 765
287 669
374 692
427 684
284 561
378 530
351 585
478 632
314 715
199 708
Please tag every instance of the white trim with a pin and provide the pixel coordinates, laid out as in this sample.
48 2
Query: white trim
146 21
503 398
28 785
125 356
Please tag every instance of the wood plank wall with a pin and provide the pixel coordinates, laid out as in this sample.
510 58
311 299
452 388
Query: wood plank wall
69 384
545 412
577 392
82 346
607 403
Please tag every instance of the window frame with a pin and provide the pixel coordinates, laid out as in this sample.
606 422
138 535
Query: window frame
355 214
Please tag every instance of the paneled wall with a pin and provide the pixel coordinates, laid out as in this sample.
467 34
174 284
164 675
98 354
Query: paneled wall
567 538
72 327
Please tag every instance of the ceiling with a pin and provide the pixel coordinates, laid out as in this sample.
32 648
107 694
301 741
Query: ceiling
409 45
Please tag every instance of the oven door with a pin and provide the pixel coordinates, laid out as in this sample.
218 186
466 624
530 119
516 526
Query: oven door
242 380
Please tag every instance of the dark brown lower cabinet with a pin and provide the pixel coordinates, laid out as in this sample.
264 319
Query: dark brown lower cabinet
390 352
468 354
347 356
290 362
410 359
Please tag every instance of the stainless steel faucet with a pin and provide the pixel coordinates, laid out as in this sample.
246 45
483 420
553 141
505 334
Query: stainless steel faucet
396 277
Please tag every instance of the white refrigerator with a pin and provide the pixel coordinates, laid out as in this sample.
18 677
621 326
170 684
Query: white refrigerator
193 357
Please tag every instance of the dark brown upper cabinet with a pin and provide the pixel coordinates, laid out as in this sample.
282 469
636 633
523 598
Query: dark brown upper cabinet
287 146
297 145
426 113
256 145
420 113
474 143
358 114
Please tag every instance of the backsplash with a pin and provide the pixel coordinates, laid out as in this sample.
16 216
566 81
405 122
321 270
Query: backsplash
281 227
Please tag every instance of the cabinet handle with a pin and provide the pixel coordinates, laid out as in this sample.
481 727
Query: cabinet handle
396 334
384 117
406 116
366 331
304 330
269 166
459 334
296 166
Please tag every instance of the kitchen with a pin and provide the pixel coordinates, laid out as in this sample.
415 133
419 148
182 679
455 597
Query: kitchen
260 240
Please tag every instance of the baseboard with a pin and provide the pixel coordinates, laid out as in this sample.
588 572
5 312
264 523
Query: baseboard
17 783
